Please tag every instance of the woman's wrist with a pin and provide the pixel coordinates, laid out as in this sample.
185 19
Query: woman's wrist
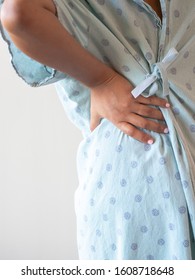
100 77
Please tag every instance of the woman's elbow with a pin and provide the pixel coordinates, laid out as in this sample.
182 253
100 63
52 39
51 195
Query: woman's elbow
14 15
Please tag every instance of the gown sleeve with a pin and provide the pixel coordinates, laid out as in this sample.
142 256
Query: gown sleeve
32 72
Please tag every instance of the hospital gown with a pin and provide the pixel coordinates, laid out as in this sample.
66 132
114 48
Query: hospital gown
134 201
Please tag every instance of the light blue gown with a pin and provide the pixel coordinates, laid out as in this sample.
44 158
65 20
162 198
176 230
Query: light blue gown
134 201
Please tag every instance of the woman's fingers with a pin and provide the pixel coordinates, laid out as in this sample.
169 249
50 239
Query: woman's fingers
113 102
135 123
144 123
147 111
131 128
135 133
153 100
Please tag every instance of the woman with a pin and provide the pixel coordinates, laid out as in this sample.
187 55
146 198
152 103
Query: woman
117 63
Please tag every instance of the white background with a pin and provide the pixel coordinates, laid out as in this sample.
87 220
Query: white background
38 176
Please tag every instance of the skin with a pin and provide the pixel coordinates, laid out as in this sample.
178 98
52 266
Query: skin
110 92
155 4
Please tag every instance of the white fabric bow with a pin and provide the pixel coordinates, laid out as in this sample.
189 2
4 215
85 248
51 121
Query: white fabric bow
159 72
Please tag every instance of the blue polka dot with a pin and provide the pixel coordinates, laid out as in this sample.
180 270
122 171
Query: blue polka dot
112 200
70 4
149 179
150 257
98 233
100 185
161 242
105 42
107 134
119 12
136 23
148 56
91 202
141 9
185 184
92 248
101 2
138 198
162 161
113 246
176 111
75 93
123 183
186 243
173 71
192 128
131 40
155 212
125 68
97 153
147 147
127 216
180 153
101 16
109 167
65 98
134 164
182 209
78 110
119 149
171 226
137 57
106 59
167 31
177 176
186 54
105 217
134 246
189 86
143 229
166 194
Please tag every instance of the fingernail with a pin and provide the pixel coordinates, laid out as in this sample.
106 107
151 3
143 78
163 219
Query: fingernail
166 130
150 142
168 105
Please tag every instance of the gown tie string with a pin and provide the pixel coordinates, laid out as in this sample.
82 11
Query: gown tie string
159 73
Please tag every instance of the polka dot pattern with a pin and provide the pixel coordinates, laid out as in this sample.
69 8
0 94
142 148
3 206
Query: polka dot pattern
144 229
127 181
161 242
134 246
133 198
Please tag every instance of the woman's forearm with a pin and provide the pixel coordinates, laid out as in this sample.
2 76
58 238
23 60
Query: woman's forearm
35 29
41 36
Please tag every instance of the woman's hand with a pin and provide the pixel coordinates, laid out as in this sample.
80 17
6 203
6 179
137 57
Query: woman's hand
113 100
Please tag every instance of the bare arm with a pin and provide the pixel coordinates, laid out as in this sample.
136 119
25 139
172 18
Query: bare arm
30 23
35 29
